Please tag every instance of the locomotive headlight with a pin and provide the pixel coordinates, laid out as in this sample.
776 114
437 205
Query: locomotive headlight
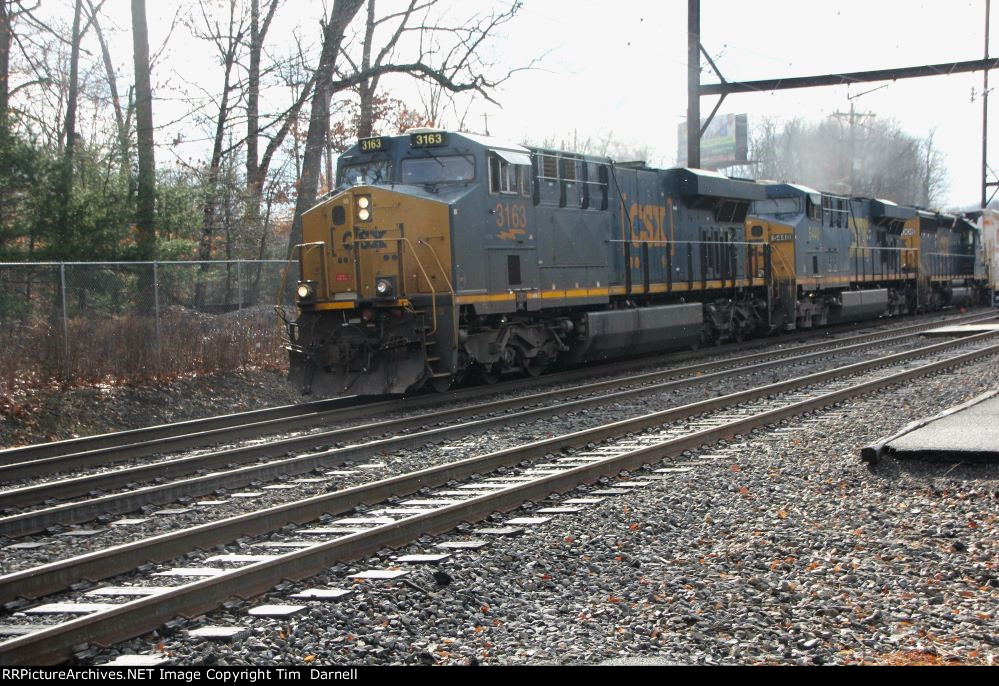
383 287
364 208
305 291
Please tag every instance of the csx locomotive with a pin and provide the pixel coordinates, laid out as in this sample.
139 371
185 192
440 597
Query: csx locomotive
444 254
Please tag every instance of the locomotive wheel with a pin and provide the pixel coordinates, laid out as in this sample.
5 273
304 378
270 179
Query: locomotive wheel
490 377
534 369
440 384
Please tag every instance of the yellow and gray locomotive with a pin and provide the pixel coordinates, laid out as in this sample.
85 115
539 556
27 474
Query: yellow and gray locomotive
443 255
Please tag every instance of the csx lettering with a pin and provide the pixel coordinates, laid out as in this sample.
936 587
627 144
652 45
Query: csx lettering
369 238
647 223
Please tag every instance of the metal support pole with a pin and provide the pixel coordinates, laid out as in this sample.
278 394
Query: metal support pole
65 320
156 308
239 285
985 115
694 83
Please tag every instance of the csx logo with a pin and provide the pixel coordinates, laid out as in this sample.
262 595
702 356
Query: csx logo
369 239
647 222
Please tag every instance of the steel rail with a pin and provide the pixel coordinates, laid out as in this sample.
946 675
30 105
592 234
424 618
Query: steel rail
48 466
75 512
122 439
56 576
102 449
135 618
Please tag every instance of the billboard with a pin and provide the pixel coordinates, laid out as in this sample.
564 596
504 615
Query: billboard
724 144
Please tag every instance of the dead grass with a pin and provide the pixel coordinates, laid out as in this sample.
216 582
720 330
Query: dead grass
123 349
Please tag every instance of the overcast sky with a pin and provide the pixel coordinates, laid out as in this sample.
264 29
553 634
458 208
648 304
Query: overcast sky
620 68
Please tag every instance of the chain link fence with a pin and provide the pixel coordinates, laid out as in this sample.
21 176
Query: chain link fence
125 321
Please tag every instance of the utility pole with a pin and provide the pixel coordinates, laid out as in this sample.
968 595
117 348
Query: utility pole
853 116
985 116
694 83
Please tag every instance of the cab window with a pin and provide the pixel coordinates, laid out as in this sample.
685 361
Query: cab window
434 169
366 173
508 173
504 177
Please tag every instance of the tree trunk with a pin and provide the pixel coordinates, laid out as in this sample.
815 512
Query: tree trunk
70 130
211 192
5 41
253 110
366 89
119 114
341 15
146 211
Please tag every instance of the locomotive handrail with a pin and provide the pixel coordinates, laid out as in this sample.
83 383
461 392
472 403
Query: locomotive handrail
439 265
450 287
419 263
622 240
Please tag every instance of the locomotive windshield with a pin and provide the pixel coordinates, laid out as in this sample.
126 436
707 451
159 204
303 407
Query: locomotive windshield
367 173
446 169
776 207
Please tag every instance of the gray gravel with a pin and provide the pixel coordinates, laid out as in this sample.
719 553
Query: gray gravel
791 551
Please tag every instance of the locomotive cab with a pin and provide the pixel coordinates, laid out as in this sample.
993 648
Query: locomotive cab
375 291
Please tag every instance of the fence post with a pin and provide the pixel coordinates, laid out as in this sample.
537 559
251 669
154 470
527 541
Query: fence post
65 320
156 308
239 285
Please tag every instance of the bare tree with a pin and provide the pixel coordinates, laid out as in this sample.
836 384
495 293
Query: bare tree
6 35
258 33
145 215
445 54
341 14
122 120
228 42
887 162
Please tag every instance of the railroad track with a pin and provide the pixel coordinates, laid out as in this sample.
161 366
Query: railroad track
409 432
106 449
557 465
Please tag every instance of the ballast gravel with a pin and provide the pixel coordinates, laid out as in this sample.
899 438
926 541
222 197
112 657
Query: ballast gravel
790 550
57 547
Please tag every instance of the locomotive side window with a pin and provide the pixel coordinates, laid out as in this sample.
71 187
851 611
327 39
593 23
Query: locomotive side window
814 210
836 211
508 173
